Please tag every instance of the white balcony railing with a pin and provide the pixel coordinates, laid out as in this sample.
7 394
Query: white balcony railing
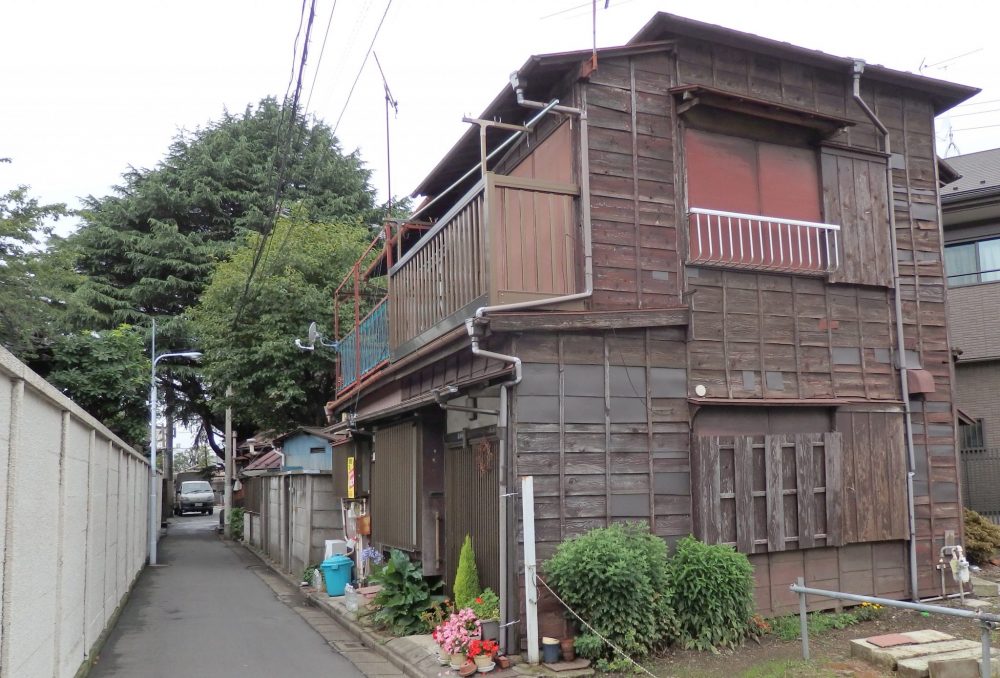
761 243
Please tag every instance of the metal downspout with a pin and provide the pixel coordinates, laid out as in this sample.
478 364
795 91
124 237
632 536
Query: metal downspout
859 68
506 525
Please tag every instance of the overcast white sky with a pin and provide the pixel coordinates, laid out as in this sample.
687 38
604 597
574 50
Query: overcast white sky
89 88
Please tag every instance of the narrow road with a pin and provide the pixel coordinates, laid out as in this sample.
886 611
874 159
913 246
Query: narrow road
206 612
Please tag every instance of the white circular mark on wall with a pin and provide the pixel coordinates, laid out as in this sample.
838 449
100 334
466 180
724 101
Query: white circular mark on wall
700 390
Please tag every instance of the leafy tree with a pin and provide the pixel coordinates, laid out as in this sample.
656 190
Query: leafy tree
150 249
107 374
27 303
274 384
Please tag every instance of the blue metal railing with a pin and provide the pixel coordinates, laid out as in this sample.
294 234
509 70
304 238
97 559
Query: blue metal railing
365 347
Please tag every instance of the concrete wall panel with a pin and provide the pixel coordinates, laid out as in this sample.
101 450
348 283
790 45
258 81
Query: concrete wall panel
72 526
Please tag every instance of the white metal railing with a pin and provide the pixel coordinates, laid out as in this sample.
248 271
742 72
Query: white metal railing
761 243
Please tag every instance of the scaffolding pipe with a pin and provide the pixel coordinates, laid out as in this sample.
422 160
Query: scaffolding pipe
987 621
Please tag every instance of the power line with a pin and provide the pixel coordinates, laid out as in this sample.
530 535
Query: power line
365 61
282 164
319 61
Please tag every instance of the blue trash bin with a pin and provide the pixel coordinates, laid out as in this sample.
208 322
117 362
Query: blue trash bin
336 574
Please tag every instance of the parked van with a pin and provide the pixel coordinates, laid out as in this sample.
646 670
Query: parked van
194 495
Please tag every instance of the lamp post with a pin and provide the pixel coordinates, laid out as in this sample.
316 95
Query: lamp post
154 527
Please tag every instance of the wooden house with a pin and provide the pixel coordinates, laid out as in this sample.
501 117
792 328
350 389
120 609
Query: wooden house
671 282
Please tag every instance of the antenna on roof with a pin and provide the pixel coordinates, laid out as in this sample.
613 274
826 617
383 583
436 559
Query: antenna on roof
389 101
944 63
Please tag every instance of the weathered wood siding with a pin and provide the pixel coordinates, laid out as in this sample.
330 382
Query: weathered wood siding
458 367
876 569
632 193
909 117
855 198
756 335
601 422
875 509
533 243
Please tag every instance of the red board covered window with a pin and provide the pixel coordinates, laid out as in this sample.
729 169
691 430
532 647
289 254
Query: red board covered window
755 204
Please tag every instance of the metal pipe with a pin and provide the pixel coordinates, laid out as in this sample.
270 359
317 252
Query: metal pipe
919 607
859 68
588 255
985 670
507 142
986 620
803 621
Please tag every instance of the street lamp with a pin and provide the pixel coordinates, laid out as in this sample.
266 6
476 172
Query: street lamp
154 527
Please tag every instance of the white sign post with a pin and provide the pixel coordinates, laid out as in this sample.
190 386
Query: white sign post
530 568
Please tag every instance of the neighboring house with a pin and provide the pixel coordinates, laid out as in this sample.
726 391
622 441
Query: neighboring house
307 449
676 308
292 498
971 212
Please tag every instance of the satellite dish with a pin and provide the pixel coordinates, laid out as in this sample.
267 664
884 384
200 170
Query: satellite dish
313 333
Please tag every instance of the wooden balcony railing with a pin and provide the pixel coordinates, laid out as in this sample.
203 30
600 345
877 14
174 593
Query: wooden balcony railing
442 274
507 240
761 243
525 248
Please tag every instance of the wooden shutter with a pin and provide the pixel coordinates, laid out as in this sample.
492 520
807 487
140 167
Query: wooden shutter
855 198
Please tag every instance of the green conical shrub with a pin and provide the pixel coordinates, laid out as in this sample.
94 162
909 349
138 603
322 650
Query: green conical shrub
467 577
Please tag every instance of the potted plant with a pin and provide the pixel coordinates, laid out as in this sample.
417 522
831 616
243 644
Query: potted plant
444 657
487 608
482 652
457 634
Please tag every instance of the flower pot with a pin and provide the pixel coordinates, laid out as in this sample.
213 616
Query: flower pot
568 651
484 663
457 659
490 629
443 656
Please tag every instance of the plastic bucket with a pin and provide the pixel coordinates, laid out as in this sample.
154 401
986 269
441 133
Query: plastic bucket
337 574
550 650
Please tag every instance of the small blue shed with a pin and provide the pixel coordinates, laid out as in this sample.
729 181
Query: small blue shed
306 448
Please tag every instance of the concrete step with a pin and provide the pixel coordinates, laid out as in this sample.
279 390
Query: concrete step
985 588
947 664
888 657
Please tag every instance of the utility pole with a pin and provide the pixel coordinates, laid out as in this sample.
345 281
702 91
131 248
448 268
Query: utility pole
227 506
168 464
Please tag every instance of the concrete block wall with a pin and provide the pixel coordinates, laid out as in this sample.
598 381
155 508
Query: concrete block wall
298 514
73 520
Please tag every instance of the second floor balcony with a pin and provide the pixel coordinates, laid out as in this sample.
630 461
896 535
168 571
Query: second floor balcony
508 239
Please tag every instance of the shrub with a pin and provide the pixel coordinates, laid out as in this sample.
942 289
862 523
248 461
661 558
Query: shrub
982 538
236 523
711 591
486 605
467 577
405 596
615 578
